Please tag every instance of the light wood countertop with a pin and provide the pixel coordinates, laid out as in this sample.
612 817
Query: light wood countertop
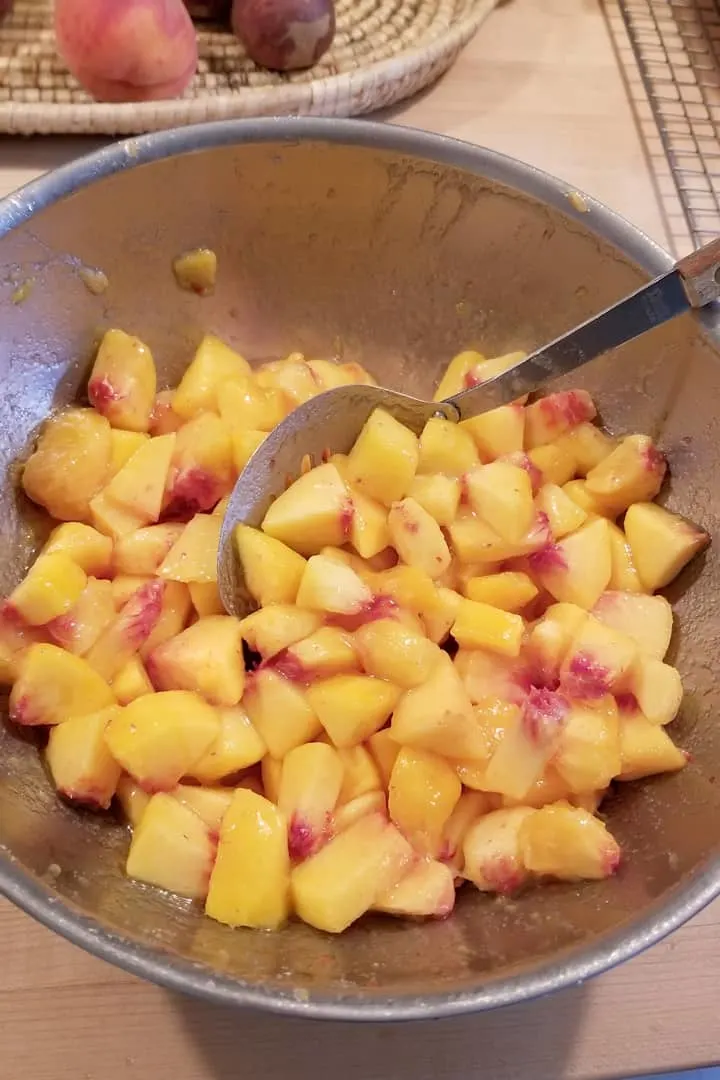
539 82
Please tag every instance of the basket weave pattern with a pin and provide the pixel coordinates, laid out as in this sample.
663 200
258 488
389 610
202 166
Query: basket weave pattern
384 51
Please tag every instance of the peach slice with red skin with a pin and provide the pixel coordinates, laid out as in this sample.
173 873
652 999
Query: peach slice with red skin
128 632
556 414
83 769
53 686
122 383
309 789
79 628
201 471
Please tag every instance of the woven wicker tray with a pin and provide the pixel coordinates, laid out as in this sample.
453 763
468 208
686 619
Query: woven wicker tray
384 51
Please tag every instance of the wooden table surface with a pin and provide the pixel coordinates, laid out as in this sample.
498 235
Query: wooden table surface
540 82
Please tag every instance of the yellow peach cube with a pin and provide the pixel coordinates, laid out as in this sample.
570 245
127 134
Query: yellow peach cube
478 625
334 888
384 459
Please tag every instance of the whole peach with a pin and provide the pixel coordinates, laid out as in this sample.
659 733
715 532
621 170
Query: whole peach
127 50
284 35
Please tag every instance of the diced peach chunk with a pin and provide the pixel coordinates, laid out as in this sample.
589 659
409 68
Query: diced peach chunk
112 519
138 487
564 516
648 620
555 464
361 775
159 737
438 495
213 364
328 651
508 591
422 794
271 629
193 556
567 842
646 749
446 448
589 754
470 806
576 570
163 419
501 494
474 541
128 631
499 431
245 442
417 538
81 766
250 882
237 746
556 414
334 888
280 712
371 802
53 686
391 650
486 674
52 586
314 512
69 464
481 626
209 803
131 681
207 658
201 471
633 472
438 717
310 785
243 404
272 570
352 707
549 641
330 586
589 445
384 459
530 739
206 598
172 848
623 577
658 690
174 614
598 661
369 533
84 545
384 750
492 855
662 543
122 382
142 552
453 380
426 890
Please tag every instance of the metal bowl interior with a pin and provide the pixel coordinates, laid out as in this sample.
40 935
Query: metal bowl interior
396 249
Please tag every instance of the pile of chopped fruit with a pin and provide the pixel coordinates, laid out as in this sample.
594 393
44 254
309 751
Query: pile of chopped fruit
457 647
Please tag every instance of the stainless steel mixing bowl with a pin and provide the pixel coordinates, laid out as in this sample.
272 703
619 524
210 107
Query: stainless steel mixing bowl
397 249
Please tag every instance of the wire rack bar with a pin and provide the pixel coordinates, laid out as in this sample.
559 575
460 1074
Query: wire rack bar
669 51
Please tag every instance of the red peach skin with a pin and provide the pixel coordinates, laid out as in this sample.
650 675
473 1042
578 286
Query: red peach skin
134 50
284 35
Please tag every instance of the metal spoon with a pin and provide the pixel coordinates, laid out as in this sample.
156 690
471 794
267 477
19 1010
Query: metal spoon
332 421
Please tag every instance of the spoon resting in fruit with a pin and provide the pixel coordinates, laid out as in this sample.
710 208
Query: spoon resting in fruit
331 422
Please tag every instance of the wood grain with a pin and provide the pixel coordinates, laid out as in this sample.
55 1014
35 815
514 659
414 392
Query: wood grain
539 82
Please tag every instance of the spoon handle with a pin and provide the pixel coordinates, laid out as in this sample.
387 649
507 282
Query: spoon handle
692 283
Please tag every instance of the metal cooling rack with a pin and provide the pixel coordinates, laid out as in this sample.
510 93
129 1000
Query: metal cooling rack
669 52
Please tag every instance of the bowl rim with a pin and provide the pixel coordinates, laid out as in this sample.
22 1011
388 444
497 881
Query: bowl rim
573 965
